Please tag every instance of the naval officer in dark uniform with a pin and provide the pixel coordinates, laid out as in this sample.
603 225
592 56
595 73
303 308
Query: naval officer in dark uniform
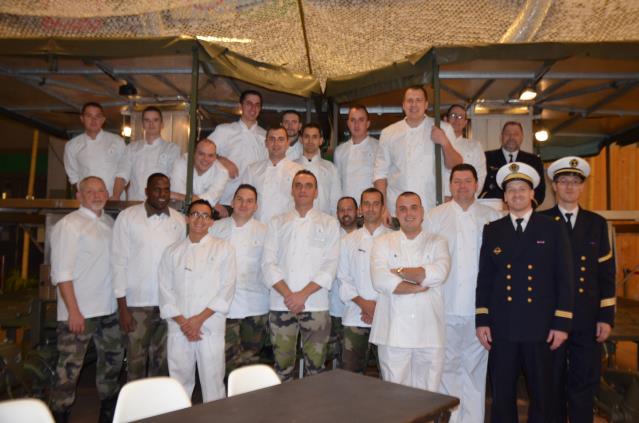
578 360
524 297
512 136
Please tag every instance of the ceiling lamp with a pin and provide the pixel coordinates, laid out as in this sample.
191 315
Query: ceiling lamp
127 90
529 93
542 135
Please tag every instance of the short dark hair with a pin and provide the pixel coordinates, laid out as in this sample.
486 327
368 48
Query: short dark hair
246 93
156 175
359 106
417 88
291 112
371 190
312 125
409 194
347 198
512 123
152 109
305 172
464 167
450 109
248 187
276 128
92 104
197 202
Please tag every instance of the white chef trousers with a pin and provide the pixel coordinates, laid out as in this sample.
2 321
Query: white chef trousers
465 365
416 367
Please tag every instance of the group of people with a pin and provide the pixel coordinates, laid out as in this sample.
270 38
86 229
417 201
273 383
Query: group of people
282 242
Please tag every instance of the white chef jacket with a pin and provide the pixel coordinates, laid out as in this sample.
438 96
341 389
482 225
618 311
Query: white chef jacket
472 153
251 295
99 157
80 253
335 303
138 244
354 164
463 231
208 186
413 320
241 145
328 185
142 159
406 159
274 184
295 151
354 272
299 250
194 276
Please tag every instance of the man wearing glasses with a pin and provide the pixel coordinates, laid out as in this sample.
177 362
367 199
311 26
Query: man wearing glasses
140 235
197 282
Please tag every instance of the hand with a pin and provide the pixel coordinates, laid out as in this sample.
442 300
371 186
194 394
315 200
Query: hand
231 167
192 328
114 198
484 336
222 211
296 302
438 136
387 219
127 322
556 338
368 308
76 322
603 331
366 318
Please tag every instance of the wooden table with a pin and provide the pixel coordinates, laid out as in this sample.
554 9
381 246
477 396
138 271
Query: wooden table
627 323
331 397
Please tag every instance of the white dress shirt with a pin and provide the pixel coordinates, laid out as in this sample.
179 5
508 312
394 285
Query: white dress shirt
354 272
573 217
242 145
354 164
412 320
295 151
507 155
274 184
208 186
195 276
300 250
99 157
80 253
142 159
463 231
406 159
328 185
335 303
138 244
251 295
524 222
473 154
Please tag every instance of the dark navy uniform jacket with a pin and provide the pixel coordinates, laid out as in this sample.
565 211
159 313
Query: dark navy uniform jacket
495 160
525 282
594 269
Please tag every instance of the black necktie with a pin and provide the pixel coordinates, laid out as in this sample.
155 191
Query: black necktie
520 229
511 158
568 222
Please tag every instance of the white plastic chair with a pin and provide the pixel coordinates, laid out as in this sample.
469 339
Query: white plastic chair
250 378
25 410
149 397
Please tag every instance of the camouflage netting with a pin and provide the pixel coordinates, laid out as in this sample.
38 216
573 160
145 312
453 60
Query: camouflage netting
344 37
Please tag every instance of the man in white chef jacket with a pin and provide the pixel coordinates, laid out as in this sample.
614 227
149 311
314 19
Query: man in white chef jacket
248 316
355 158
408 268
356 287
461 221
292 122
405 159
149 155
299 264
140 235
197 281
273 177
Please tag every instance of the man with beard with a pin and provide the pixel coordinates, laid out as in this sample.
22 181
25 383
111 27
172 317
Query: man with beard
292 122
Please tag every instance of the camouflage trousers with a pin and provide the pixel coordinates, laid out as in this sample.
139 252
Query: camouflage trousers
106 335
314 329
244 340
357 350
336 341
146 345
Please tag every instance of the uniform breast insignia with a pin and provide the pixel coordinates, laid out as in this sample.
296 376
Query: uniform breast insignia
541 241
497 251
557 218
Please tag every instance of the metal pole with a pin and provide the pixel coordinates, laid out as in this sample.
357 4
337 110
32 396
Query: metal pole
192 124
26 239
608 180
438 148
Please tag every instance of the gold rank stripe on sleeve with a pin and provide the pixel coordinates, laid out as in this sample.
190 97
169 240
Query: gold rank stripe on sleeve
564 314
481 310
606 257
607 302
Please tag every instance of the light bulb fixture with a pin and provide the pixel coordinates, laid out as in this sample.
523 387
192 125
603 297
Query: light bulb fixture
127 90
528 93
542 135
126 131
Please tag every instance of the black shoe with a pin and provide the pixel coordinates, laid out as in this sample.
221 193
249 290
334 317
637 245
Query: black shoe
61 416
107 408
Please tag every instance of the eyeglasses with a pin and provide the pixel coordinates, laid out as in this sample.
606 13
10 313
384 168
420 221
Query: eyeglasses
456 116
198 215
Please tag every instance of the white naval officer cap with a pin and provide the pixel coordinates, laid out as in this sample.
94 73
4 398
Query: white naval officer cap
517 171
571 164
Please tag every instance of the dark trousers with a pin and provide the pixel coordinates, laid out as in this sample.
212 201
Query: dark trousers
506 361
577 368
